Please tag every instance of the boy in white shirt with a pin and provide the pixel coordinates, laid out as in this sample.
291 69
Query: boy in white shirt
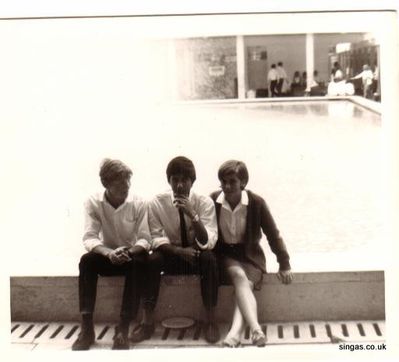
184 232
117 239
272 81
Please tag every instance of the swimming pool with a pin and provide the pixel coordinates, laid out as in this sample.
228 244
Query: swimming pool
317 164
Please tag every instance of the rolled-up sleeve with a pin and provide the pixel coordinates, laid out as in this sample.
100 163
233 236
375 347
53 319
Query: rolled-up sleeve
92 227
143 230
157 232
207 215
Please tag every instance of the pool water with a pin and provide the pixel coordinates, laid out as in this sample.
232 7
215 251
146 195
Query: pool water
317 164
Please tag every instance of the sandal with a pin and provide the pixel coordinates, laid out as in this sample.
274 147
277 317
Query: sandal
258 339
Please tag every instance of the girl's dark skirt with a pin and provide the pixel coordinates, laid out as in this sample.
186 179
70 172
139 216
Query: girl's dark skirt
233 255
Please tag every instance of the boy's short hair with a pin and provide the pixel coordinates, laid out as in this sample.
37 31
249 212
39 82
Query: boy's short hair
181 165
111 170
237 168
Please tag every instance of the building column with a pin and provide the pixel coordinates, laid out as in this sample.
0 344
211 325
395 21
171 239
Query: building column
309 60
171 71
241 67
378 72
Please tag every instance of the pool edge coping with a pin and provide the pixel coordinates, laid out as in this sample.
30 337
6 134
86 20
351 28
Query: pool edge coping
358 100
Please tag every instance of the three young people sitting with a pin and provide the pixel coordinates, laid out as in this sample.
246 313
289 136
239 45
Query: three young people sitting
181 229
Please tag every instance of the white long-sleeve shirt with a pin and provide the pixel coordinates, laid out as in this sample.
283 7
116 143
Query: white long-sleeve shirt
233 222
281 74
366 75
164 221
272 75
125 226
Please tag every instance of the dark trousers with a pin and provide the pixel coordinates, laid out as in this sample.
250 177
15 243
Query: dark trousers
205 266
280 86
273 88
92 265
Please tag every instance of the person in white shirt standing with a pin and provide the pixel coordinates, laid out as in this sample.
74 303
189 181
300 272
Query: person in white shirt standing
272 79
367 77
117 239
184 232
282 78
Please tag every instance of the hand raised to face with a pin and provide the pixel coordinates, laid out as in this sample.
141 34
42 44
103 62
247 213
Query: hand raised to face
184 204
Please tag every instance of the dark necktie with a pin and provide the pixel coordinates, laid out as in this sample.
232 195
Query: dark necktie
183 231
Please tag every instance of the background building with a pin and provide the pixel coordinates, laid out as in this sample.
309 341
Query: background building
237 66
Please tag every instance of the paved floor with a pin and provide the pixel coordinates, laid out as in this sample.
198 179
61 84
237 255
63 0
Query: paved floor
60 336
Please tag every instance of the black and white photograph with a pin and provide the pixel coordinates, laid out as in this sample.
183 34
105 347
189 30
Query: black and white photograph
181 183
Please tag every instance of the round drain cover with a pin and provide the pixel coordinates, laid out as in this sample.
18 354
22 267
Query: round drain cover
178 322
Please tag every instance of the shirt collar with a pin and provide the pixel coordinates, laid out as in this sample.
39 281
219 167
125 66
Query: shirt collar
105 201
244 198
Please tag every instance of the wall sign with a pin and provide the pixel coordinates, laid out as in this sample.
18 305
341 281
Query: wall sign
217 70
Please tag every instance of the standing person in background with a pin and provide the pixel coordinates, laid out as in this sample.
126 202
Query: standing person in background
117 239
282 78
367 77
242 216
184 232
272 79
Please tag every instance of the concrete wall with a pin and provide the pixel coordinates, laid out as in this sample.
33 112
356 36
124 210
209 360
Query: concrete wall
312 296
290 49
197 62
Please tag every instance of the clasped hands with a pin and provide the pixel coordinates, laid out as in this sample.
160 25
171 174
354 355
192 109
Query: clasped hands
189 254
119 255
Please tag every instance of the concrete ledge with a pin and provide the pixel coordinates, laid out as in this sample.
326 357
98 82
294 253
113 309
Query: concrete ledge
361 101
366 103
312 296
